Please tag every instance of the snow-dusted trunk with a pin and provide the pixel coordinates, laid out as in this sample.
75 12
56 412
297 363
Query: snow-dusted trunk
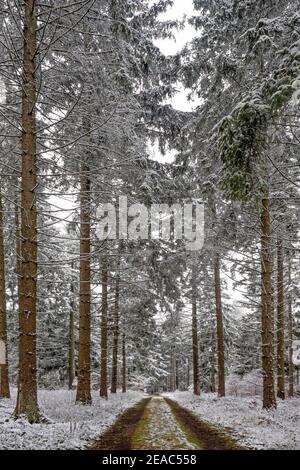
84 353
114 371
4 379
176 375
212 368
27 403
290 339
104 308
195 348
172 371
280 322
18 246
220 328
71 358
269 400
124 366
18 252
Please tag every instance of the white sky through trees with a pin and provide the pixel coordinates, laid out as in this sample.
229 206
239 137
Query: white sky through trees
181 9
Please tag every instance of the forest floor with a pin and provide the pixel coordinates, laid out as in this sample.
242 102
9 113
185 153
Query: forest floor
161 424
136 421
246 421
70 425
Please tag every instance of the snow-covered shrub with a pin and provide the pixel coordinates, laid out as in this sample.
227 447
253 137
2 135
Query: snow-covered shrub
244 386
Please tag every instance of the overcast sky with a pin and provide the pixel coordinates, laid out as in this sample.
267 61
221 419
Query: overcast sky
180 9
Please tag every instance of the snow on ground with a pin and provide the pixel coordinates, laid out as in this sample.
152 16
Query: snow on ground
70 426
249 423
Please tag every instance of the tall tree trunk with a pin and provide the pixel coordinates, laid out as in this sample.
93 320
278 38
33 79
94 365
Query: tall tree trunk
114 372
280 323
171 378
177 374
195 346
18 266
84 354
188 374
4 377
173 370
220 328
104 308
27 403
124 371
18 247
71 365
269 399
212 369
290 337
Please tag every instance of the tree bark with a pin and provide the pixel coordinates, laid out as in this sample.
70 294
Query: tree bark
220 328
71 365
290 338
4 376
114 372
84 354
104 309
18 266
280 323
124 371
269 399
27 403
177 375
172 371
18 247
195 346
170 374
212 369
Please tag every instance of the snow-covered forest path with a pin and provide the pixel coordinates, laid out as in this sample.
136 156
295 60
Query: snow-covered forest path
159 423
158 429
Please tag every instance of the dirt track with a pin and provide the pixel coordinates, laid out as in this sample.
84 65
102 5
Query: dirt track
161 424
